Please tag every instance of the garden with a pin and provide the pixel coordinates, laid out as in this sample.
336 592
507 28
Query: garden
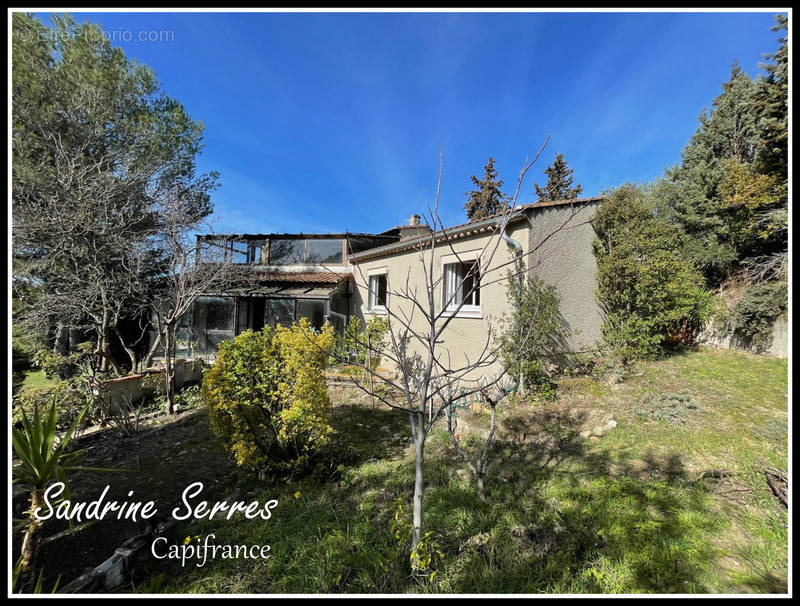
654 484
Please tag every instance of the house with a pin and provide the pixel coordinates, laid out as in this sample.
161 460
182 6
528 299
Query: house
333 277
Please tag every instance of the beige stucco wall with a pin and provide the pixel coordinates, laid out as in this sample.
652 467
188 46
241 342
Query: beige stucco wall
560 240
557 243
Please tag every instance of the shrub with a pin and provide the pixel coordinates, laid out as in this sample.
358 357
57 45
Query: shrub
57 366
353 346
670 407
69 396
22 351
267 397
153 385
190 397
532 335
650 292
752 318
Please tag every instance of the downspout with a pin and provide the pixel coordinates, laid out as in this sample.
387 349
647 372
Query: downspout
512 243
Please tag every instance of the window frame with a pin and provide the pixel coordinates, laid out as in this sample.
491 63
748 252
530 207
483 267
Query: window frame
467 310
373 305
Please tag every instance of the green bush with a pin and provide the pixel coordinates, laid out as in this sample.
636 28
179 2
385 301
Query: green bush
358 338
670 407
190 397
532 335
752 318
153 385
70 397
22 351
57 366
651 294
267 397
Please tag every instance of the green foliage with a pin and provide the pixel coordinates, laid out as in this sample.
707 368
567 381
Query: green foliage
649 291
23 348
771 105
38 587
670 407
62 366
357 340
487 199
400 525
95 142
153 385
267 397
43 458
70 397
533 333
571 516
559 182
190 397
728 197
752 318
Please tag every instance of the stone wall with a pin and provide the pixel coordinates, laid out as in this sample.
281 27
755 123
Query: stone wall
780 339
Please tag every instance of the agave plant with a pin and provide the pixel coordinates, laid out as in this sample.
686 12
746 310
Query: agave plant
44 459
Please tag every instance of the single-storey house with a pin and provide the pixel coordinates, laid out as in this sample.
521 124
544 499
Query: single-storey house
334 277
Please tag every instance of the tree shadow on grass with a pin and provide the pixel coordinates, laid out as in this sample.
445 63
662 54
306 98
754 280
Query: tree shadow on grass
563 515
566 515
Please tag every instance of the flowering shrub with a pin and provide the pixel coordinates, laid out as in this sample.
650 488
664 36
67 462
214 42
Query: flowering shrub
267 397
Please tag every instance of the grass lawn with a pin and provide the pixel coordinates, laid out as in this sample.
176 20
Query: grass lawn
33 379
631 511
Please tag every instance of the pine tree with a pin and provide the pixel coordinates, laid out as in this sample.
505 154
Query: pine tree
771 103
559 182
691 195
487 199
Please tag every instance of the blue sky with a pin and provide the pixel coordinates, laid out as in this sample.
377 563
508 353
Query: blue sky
333 122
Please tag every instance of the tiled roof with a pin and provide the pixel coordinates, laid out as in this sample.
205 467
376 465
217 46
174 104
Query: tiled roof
303 277
464 229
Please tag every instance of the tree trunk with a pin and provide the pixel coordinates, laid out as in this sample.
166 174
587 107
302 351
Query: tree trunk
479 487
129 350
32 540
61 344
419 483
148 359
168 369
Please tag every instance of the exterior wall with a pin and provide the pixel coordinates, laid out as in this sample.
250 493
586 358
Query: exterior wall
557 244
465 337
561 238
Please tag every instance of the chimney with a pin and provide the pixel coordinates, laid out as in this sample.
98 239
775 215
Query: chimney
414 221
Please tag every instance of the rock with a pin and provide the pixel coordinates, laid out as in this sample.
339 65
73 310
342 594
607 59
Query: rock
599 431
585 434
385 428
611 424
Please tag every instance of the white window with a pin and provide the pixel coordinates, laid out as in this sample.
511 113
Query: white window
462 285
377 292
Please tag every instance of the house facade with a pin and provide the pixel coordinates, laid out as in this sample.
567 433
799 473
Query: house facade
335 277
555 241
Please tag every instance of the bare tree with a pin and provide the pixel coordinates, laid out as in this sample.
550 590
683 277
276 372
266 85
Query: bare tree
187 272
427 378
451 396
